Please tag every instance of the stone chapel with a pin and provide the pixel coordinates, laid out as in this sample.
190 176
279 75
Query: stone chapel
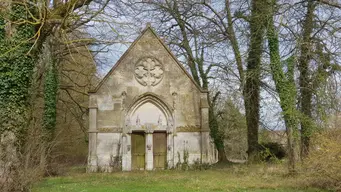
148 113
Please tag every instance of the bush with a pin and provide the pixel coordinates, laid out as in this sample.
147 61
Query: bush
198 165
323 164
271 150
185 165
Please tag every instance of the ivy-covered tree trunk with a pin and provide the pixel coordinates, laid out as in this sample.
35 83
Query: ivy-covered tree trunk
252 85
285 87
50 104
50 94
218 136
16 70
25 27
306 91
216 133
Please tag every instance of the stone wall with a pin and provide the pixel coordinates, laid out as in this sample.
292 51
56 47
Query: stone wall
147 73
109 151
120 88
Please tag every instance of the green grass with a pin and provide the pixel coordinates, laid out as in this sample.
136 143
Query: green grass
236 178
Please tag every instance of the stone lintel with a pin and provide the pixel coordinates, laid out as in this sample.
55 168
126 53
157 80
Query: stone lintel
110 130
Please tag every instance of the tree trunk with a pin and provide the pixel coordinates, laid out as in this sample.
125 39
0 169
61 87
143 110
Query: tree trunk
221 155
185 44
196 64
50 102
305 79
285 87
252 85
234 43
217 135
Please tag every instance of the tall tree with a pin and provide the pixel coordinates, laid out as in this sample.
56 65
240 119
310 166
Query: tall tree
306 91
26 26
16 69
50 102
285 84
253 71
249 79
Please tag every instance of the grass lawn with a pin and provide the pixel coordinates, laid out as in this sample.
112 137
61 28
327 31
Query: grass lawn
237 178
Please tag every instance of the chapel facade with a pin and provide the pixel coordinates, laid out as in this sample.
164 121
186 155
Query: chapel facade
148 113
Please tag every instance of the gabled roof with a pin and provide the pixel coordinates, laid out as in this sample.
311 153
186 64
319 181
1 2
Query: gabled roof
148 28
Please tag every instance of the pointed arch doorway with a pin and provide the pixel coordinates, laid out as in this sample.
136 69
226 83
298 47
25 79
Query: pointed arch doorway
149 124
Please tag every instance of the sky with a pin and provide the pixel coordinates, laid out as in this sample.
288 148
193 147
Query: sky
118 38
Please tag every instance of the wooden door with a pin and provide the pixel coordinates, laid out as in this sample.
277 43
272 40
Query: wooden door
160 150
138 151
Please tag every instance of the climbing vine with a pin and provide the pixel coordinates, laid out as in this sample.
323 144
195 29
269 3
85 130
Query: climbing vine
16 69
285 86
50 95
215 131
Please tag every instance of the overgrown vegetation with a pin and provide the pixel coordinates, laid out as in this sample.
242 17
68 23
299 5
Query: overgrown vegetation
16 69
260 178
232 124
323 162
261 50
28 123
271 151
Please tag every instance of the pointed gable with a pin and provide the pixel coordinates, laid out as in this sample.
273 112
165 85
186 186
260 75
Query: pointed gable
147 31
147 91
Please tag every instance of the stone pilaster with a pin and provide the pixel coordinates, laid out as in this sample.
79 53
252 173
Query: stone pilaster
92 156
205 130
170 144
149 150
204 112
126 156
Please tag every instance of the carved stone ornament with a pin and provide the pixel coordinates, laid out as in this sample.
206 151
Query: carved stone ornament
149 147
123 98
170 123
149 128
159 121
174 95
128 148
148 71
169 129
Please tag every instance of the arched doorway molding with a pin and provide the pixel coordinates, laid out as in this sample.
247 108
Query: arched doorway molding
154 99
167 127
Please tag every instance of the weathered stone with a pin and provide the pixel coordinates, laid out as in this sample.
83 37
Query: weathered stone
148 92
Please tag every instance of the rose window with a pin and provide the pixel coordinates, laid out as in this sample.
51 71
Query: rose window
148 71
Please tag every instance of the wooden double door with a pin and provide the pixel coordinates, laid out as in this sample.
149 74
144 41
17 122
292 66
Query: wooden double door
159 150
138 150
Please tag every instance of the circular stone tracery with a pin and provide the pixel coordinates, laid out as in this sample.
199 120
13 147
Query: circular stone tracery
148 71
